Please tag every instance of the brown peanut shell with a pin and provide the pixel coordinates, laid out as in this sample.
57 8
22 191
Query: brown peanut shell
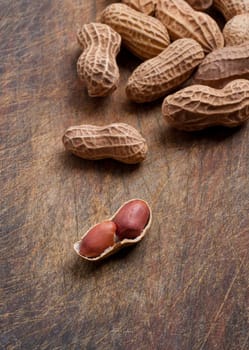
143 35
182 21
224 65
200 5
159 75
118 141
197 107
145 6
231 8
119 244
236 31
97 65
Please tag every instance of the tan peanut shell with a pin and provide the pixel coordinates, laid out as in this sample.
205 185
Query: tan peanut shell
145 6
231 8
118 141
143 35
224 65
182 21
236 31
119 244
156 77
200 5
197 107
97 65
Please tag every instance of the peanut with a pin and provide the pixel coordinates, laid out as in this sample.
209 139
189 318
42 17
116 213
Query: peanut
156 77
145 6
236 31
106 238
184 22
97 66
197 107
119 141
98 239
224 65
200 5
131 219
231 8
143 35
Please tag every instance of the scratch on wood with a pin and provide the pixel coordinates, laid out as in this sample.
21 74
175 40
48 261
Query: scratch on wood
76 211
203 267
47 40
245 343
213 323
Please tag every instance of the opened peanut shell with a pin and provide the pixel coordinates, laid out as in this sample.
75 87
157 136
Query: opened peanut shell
106 245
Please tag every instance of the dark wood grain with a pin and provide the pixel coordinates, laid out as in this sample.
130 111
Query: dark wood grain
186 285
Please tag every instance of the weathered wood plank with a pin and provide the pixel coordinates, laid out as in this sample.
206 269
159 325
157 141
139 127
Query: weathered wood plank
185 286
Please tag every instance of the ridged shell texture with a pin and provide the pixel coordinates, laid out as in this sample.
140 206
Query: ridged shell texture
119 141
97 65
143 35
236 31
200 5
197 107
231 8
156 77
182 21
145 6
224 65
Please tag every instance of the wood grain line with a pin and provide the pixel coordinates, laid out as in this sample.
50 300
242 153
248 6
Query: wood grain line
221 306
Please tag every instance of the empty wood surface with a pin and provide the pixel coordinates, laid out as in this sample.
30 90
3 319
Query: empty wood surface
186 285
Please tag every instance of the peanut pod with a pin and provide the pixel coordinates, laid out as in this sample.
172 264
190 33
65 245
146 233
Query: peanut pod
103 240
236 31
200 5
156 77
182 21
143 35
97 65
119 141
145 6
231 8
224 65
197 107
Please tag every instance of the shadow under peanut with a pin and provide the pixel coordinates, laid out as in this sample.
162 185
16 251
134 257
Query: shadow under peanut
83 269
78 97
174 138
142 109
116 102
105 166
127 62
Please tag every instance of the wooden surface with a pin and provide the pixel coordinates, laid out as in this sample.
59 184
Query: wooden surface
185 286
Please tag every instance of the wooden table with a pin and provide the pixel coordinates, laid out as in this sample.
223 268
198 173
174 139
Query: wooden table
185 286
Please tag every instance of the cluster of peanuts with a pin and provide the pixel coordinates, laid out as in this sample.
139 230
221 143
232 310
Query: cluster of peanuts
200 71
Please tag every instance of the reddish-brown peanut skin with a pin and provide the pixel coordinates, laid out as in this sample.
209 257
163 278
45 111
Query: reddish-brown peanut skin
98 239
182 21
224 65
200 5
97 66
131 219
231 8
